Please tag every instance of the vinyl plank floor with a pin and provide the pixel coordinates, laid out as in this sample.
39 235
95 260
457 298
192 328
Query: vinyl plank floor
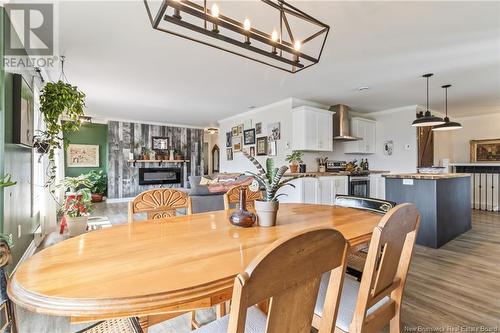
453 288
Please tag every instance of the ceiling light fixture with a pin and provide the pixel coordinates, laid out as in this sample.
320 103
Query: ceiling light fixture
427 119
279 49
448 125
212 130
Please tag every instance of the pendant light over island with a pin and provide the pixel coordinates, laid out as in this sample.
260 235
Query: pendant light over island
427 119
448 125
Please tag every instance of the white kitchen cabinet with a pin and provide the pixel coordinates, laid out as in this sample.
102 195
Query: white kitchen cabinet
364 129
377 186
321 190
341 185
310 190
312 129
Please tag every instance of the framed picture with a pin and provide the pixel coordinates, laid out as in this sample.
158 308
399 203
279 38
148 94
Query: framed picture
271 148
248 124
159 143
240 129
78 156
229 137
274 131
234 130
22 107
258 128
229 154
252 151
249 136
262 146
237 144
485 150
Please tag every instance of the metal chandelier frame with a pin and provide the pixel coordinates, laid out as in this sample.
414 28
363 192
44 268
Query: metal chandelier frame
287 58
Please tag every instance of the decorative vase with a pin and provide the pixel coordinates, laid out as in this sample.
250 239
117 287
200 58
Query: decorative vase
294 168
242 217
152 155
322 168
145 157
178 157
171 156
76 225
266 212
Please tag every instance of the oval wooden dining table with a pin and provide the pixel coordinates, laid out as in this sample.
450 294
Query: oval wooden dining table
147 268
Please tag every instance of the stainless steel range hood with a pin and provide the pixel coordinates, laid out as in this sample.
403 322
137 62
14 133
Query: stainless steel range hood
341 123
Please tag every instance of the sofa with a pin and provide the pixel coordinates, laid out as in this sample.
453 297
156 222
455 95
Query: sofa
202 199
205 201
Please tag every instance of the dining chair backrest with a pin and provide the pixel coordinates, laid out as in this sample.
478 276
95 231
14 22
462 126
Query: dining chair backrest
288 273
7 311
232 196
372 204
385 270
159 203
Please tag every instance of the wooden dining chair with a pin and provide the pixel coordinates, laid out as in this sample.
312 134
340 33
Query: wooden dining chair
357 258
288 272
7 313
232 196
376 301
159 203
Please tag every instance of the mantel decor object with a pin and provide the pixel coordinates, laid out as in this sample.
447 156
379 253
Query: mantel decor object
295 43
242 217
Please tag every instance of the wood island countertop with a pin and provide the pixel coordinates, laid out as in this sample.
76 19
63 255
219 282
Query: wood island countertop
426 176
330 174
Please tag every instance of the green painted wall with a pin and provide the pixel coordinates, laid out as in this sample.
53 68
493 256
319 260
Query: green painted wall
90 134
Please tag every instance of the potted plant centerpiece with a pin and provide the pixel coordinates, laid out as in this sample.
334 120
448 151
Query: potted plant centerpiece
294 159
270 181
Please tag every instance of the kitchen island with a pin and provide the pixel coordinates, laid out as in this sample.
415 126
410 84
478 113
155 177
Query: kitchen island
444 202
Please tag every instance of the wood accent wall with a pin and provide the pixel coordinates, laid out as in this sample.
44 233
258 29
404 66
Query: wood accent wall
123 177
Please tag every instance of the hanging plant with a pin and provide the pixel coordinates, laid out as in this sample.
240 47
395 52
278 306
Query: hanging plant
61 105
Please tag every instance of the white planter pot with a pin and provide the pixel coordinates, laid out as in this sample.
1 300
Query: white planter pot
266 212
77 225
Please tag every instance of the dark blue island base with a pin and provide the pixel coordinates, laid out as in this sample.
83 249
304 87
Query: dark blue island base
444 202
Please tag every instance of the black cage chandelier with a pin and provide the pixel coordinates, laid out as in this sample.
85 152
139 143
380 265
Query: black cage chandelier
281 47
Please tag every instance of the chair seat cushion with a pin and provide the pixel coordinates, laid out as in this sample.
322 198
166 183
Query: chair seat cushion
347 301
255 323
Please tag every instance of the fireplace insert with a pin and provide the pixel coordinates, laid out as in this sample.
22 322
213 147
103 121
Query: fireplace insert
156 176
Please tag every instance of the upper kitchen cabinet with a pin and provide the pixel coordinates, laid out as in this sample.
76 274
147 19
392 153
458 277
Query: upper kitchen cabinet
312 129
364 129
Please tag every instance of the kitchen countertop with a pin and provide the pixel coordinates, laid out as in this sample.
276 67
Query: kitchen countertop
430 176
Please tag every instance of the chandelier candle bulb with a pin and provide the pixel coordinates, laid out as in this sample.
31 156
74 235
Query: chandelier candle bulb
274 38
246 26
215 13
177 12
296 46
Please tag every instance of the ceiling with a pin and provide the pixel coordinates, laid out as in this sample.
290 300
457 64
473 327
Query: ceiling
130 71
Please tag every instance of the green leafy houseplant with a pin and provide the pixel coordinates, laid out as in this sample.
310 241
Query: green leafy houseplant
74 184
6 181
61 105
294 159
99 182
